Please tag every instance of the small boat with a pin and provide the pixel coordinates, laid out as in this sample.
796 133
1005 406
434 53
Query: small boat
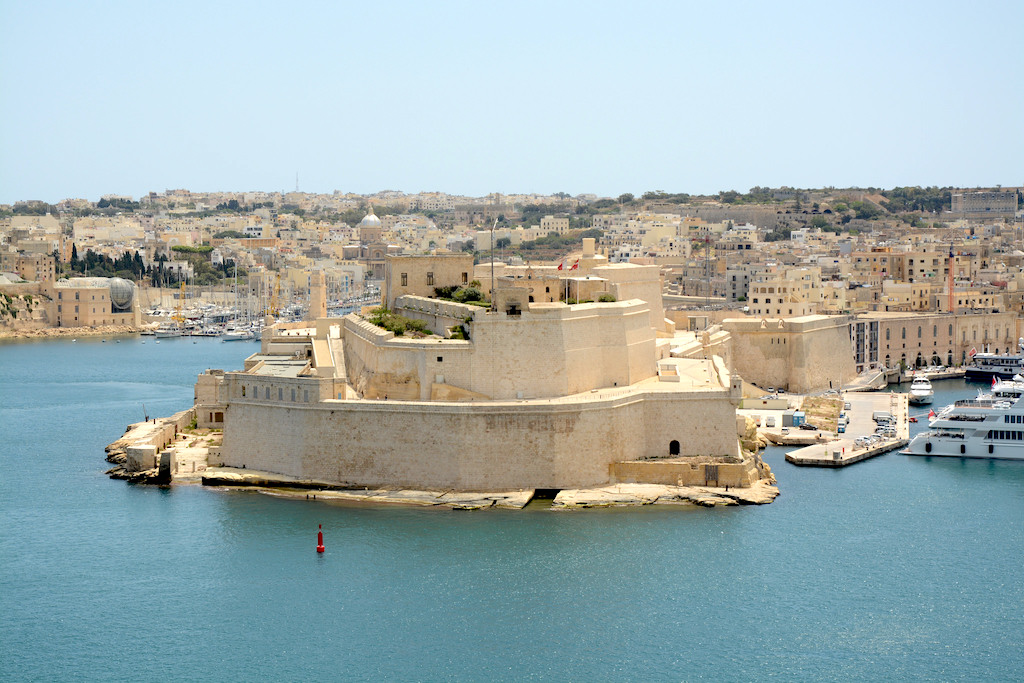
238 334
921 392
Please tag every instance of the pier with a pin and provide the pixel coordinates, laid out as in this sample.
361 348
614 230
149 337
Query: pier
844 451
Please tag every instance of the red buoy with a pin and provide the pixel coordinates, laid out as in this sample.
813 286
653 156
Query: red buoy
320 539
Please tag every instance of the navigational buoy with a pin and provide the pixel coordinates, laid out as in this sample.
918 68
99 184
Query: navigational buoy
320 538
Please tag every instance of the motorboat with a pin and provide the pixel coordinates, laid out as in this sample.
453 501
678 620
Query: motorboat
238 334
921 392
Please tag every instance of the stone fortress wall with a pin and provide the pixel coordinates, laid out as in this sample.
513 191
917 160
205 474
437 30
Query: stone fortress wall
801 355
546 351
479 446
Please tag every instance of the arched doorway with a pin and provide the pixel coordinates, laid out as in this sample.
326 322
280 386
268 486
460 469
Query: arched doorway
673 447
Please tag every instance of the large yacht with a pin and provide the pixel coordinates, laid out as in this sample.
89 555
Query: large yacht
986 427
921 391
985 366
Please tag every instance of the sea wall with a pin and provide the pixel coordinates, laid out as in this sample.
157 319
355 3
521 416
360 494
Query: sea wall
474 446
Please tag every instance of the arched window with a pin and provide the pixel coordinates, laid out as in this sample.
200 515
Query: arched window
673 447
935 330
904 333
918 331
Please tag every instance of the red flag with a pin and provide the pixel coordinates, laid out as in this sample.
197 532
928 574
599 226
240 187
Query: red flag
560 265
575 265
931 414
993 380
973 351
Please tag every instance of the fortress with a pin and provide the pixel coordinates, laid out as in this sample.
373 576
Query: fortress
528 392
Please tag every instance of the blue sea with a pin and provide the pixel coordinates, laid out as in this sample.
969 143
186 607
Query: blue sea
895 568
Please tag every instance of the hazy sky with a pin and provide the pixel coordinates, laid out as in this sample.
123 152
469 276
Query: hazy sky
476 97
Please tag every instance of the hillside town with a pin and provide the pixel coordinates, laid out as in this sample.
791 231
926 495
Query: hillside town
916 276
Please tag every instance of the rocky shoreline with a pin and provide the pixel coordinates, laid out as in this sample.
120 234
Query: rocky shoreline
179 454
50 332
612 495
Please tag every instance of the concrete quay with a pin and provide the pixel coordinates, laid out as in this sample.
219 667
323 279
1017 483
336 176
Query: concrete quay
843 451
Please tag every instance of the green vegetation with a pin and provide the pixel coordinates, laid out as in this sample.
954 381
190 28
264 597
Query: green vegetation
229 235
606 298
205 273
561 242
398 324
129 266
116 203
464 295
930 199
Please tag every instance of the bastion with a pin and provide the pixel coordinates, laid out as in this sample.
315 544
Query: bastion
515 396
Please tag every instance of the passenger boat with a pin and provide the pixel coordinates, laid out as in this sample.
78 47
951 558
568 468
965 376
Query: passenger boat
985 427
921 392
985 366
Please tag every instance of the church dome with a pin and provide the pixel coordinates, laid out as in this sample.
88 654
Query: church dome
369 220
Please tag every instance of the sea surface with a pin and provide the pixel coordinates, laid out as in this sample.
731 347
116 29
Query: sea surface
894 568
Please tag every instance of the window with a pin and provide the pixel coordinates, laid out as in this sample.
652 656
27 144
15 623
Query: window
918 331
465 278
673 447
440 359
405 279
430 279
904 333
887 330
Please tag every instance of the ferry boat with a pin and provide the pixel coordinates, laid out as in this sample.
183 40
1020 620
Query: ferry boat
985 366
921 392
985 427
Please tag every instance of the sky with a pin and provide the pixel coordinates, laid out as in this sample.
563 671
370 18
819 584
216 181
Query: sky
475 97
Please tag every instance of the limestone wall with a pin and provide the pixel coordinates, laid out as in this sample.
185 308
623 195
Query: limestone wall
801 355
550 350
439 315
556 444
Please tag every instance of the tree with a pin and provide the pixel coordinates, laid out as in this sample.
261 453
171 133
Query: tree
625 198
503 242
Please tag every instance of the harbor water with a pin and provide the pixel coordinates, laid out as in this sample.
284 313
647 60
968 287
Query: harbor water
894 568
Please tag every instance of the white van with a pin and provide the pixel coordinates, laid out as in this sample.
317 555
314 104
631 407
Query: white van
769 421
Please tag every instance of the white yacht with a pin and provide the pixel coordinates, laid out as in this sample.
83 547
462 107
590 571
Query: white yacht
238 334
167 330
921 392
985 427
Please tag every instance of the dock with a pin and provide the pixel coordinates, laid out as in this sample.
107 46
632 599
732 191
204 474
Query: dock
843 452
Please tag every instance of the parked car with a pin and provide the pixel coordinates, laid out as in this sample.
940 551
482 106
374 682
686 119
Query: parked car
808 427
846 405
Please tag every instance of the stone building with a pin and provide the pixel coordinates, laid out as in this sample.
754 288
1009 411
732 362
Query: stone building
533 395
